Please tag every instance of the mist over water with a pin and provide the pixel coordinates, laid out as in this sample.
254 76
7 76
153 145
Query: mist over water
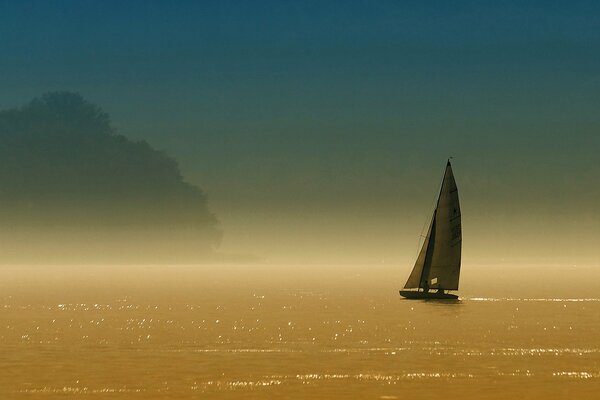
295 331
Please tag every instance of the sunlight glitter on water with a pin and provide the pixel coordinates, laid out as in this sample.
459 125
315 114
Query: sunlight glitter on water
528 299
79 390
150 341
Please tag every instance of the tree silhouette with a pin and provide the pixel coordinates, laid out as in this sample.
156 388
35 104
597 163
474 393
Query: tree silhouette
63 165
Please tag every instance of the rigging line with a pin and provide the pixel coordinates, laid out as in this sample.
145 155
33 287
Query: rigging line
427 218
423 233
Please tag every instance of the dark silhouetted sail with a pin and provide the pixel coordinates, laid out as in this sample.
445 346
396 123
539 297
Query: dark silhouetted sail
438 263
444 268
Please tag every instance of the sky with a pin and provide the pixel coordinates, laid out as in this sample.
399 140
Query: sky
320 130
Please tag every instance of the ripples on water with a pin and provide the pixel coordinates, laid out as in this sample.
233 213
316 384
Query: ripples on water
201 334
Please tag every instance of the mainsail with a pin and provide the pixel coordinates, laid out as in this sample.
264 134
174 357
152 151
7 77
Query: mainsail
438 263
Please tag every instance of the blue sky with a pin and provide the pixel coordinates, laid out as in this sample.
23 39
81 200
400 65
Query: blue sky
327 106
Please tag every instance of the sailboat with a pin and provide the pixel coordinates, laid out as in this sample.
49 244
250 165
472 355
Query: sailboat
437 268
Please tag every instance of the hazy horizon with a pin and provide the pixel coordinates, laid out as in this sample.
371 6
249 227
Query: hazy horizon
370 226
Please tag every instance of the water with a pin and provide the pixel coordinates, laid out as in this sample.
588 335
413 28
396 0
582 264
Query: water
292 332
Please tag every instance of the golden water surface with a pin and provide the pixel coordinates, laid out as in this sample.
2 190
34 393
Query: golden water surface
271 331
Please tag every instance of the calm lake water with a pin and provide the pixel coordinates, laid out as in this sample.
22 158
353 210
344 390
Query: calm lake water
294 332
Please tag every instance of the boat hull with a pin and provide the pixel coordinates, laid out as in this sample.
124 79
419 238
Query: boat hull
414 295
